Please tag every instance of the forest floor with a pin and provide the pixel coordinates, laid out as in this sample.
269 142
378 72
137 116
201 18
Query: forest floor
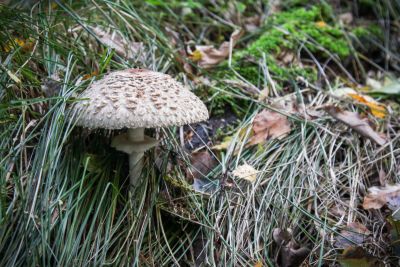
298 165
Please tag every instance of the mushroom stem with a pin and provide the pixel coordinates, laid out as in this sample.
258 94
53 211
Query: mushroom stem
134 143
136 134
135 158
135 167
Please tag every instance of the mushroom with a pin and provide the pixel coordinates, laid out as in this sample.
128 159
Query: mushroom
137 99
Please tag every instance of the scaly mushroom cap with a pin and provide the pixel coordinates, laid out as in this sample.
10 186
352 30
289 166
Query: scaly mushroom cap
136 98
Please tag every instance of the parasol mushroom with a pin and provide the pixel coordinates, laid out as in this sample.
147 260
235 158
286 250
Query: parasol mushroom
137 99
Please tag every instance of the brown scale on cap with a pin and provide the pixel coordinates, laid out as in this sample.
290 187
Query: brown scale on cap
136 98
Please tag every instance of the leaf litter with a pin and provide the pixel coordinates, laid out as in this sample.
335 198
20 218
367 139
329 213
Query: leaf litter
354 121
388 195
207 56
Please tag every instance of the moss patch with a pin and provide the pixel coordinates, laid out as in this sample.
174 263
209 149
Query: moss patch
311 27
288 30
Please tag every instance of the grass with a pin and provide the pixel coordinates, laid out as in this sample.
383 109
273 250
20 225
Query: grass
64 197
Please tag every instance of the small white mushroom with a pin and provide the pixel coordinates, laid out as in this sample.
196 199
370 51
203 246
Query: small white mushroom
137 99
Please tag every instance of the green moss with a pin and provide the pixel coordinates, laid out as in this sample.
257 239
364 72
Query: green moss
287 30
369 31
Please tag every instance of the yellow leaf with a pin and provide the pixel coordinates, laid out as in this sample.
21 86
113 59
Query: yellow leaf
377 109
379 112
19 42
321 24
196 55
258 264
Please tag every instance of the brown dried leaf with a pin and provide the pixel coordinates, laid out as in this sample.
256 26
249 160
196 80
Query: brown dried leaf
207 56
380 196
269 124
116 40
202 163
354 121
354 234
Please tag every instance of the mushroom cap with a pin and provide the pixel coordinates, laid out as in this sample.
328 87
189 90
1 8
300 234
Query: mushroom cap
134 98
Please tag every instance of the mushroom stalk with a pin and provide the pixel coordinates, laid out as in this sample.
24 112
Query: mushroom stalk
136 134
135 167
134 143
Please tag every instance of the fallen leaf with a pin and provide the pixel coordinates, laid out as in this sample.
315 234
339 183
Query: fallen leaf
290 254
245 172
388 195
354 234
354 121
269 124
202 163
373 84
116 41
392 88
258 264
377 109
207 56
357 257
